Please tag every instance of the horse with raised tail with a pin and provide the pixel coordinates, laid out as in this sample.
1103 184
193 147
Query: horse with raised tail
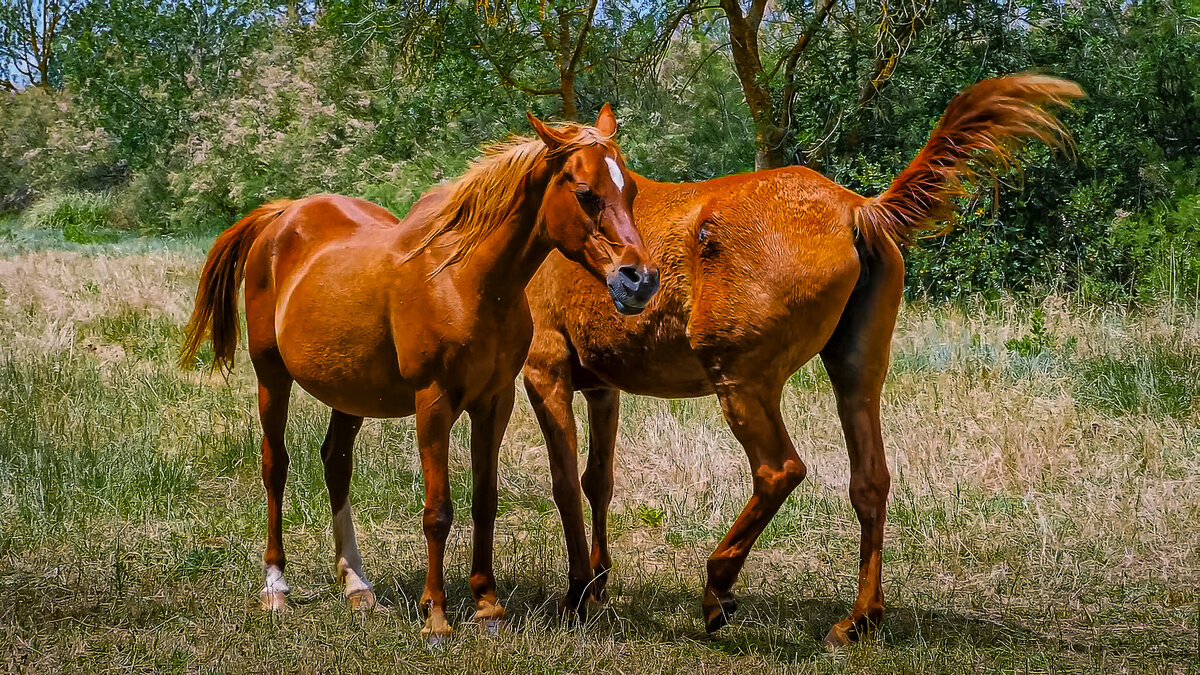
760 273
378 317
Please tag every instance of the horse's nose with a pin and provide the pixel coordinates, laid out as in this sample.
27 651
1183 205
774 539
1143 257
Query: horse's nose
639 282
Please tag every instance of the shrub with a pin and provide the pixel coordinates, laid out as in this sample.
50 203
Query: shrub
25 120
49 144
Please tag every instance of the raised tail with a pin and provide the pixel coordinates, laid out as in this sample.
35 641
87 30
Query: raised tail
981 128
216 311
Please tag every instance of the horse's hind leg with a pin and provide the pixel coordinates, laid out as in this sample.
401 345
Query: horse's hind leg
752 411
856 359
604 407
273 392
337 453
487 430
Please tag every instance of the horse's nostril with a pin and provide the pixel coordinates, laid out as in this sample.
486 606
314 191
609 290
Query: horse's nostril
652 280
630 274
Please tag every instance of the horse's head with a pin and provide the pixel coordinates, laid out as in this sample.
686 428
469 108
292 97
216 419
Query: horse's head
587 210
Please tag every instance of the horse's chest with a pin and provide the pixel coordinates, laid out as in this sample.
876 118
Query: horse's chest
491 350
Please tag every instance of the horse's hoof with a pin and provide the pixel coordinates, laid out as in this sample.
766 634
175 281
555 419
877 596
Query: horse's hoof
836 638
437 641
436 638
492 626
851 629
436 630
716 614
362 600
489 615
599 586
273 601
572 611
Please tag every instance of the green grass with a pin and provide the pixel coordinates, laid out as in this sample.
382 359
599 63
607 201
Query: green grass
1161 380
81 217
1043 513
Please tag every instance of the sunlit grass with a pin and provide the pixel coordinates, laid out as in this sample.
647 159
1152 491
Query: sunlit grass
1043 514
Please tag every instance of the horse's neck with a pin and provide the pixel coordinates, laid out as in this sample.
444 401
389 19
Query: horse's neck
504 263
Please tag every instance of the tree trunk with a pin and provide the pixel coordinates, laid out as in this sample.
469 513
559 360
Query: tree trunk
743 43
567 80
768 148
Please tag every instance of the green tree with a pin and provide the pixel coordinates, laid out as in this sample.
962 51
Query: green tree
137 61
30 39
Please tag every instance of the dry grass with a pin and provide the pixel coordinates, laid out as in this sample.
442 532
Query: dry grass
1044 514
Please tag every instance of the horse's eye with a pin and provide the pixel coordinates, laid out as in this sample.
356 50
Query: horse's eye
588 199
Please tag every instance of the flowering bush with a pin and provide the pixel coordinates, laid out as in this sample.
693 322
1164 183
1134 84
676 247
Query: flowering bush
51 144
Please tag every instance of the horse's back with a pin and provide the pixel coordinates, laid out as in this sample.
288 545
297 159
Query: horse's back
768 249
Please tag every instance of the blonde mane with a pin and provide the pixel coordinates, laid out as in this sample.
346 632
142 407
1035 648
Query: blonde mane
491 190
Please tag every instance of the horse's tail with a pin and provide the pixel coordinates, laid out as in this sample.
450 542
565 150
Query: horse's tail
216 311
984 124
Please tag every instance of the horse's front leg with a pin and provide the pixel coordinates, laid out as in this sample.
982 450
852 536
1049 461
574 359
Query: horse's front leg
753 414
548 383
435 416
488 423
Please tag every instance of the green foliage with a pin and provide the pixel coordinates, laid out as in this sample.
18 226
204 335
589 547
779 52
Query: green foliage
1036 341
82 217
140 62
1156 253
650 515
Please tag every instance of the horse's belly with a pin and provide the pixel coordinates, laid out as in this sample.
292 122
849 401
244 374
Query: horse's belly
345 357
668 370
364 401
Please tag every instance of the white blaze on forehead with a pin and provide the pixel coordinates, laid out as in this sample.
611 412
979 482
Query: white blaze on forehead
615 172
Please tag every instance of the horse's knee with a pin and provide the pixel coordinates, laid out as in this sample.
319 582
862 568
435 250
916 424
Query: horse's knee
596 484
437 520
869 490
275 467
777 484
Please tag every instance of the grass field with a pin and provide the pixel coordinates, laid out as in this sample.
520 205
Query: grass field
1044 515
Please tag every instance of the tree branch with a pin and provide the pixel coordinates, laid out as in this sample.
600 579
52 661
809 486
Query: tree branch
755 15
583 31
886 64
506 76
797 49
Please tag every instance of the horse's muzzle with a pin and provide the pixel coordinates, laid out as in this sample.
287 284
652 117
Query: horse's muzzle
631 287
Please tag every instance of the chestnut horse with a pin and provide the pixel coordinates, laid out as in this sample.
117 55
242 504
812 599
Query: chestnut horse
377 317
760 272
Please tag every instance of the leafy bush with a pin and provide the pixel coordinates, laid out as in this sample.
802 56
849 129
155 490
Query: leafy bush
1156 254
50 144
25 122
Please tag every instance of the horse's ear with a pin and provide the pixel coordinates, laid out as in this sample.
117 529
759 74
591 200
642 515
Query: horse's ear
606 123
550 136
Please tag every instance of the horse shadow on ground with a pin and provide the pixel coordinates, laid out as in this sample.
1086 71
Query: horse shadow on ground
768 623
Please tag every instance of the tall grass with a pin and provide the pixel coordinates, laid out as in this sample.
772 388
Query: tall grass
1042 515
82 217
